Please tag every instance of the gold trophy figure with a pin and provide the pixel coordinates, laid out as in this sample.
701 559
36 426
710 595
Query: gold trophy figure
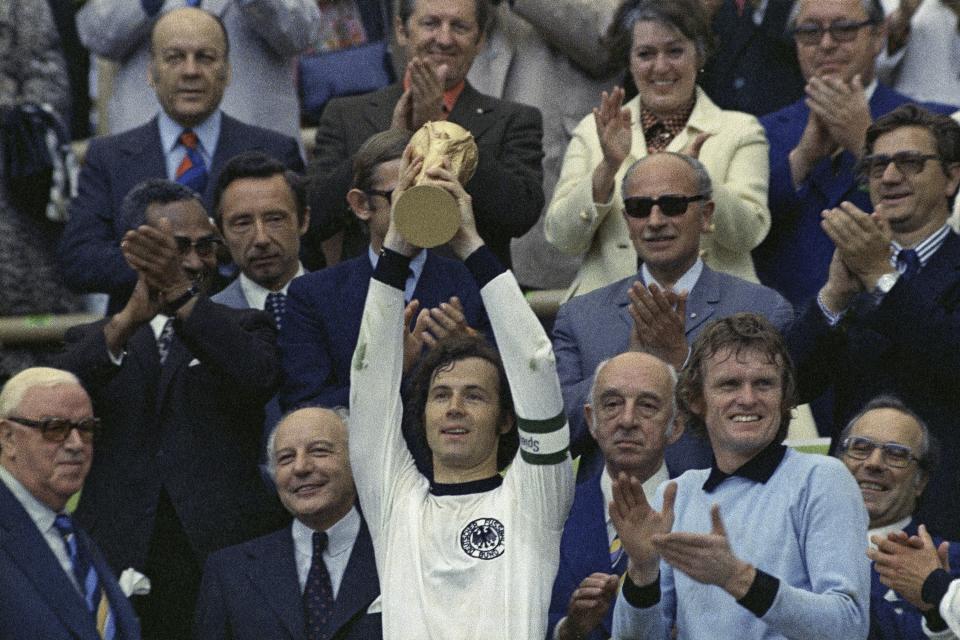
428 216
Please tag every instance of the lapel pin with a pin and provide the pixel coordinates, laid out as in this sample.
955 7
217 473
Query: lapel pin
693 314
479 111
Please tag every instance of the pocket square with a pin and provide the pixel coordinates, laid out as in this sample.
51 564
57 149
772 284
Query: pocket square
193 363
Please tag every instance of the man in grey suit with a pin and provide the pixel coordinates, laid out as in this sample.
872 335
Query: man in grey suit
661 309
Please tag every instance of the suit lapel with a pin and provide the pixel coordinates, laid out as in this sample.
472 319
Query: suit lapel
587 553
142 153
623 303
359 586
119 605
25 547
379 107
177 358
942 274
473 111
272 571
702 301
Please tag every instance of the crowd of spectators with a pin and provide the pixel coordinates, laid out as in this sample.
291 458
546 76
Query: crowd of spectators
294 421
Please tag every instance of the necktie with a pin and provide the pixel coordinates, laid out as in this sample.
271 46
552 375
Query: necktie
276 305
318 592
618 559
164 340
908 263
87 578
192 171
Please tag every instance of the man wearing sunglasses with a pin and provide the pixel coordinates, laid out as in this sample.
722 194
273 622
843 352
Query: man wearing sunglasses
53 579
181 383
815 142
887 320
661 309
890 453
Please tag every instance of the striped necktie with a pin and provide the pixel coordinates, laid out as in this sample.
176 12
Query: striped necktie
618 559
192 171
276 304
164 340
87 578
318 591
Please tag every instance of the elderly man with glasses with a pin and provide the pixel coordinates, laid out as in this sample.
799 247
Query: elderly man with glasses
887 320
665 305
180 383
890 453
815 142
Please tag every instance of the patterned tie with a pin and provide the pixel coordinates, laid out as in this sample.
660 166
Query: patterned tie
87 578
192 171
908 263
618 559
318 592
276 305
164 340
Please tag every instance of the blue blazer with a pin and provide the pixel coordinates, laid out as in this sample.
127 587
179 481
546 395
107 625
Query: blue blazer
892 617
795 256
90 248
595 326
37 599
322 323
908 346
250 591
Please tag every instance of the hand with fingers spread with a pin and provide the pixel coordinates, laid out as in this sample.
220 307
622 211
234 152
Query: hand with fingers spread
862 240
637 523
588 605
842 108
409 169
142 306
815 143
707 557
152 252
658 323
905 563
616 138
842 285
426 92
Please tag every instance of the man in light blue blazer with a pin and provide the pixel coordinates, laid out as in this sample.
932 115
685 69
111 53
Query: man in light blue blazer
664 306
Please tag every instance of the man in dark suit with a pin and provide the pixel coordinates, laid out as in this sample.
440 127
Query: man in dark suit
888 318
632 414
324 308
440 38
754 67
266 588
46 446
181 383
666 305
815 142
189 141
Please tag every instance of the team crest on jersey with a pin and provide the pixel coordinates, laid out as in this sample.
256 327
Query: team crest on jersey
483 539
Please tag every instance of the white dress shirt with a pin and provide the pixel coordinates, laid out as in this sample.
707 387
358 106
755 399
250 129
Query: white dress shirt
340 539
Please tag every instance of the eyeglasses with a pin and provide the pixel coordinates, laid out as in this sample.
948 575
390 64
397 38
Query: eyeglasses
840 31
909 163
204 246
58 429
671 205
383 194
893 454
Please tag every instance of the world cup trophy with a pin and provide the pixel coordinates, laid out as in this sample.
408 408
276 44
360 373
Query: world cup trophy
426 215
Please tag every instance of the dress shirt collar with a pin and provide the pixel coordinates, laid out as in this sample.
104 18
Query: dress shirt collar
899 525
686 282
157 324
340 535
208 132
256 294
42 515
759 468
869 90
925 248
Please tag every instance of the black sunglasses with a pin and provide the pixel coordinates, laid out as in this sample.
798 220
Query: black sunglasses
671 205
204 246
909 163
58 429
840 31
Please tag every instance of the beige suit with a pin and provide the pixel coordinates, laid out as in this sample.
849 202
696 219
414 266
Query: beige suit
736 156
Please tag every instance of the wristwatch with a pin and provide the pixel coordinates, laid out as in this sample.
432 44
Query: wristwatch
171 307
885 283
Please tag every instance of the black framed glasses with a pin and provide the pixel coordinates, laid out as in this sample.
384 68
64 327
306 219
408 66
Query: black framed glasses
204 246
670 205
58 429
840 31
893 454
383 194
909 163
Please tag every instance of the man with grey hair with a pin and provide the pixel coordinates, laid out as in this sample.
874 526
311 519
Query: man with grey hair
890 453
181 383
667 207
314 579
55 583
632 417
815 142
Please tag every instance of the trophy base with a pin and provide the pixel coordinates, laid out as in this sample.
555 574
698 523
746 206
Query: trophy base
426 216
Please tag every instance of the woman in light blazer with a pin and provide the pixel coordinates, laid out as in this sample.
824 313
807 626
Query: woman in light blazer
664 44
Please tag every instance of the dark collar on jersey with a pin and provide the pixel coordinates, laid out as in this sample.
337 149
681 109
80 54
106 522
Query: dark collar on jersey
464 488
759 468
